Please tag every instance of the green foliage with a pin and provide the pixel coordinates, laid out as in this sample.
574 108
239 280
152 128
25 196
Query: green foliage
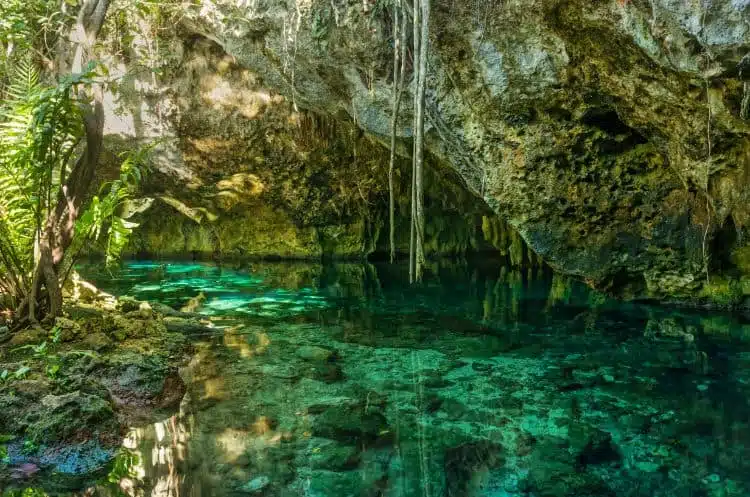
21 372
4 458
40 129
43 354
29 447
28 26
125 466
26 492
106 219
723 292
18 374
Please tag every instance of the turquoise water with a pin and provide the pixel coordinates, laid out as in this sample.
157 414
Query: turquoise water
343 380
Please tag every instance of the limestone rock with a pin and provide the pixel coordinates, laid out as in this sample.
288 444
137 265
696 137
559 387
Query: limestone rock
98 341
55 419
583 125
31 336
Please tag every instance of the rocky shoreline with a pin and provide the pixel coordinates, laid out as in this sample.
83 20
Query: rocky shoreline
70 391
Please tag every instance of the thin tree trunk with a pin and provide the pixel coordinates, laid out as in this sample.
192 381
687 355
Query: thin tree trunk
58 231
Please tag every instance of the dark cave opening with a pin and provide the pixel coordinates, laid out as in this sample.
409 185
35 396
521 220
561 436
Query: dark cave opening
607 120
720 250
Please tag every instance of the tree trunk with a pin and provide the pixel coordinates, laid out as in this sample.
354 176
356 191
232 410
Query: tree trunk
58 231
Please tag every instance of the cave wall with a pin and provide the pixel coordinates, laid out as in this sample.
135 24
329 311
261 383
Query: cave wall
613 135
240 173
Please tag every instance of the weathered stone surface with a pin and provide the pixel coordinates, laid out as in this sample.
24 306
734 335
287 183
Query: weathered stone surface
61 416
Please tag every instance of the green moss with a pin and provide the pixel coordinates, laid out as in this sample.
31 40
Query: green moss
52 421
741 259
722 292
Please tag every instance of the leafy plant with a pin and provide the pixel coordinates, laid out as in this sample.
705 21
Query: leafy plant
50 142
40 129
29 447
18 374
21 372
124 466
55 334
52 370
106 219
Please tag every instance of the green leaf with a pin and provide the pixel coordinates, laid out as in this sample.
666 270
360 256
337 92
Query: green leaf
21 372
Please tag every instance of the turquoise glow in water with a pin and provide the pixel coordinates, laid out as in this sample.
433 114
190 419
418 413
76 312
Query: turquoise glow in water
345 381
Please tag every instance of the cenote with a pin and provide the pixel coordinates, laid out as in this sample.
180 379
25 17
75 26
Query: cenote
345 380
374 248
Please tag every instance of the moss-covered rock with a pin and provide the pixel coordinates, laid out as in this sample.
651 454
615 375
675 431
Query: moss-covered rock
60 417
73 390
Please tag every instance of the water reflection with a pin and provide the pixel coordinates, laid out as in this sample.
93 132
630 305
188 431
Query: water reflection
341 380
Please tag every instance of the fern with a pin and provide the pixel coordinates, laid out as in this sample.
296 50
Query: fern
40 128
106 220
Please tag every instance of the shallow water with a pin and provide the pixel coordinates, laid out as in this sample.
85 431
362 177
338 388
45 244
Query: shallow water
343 380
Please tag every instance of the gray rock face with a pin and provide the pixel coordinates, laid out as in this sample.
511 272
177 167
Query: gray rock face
613 135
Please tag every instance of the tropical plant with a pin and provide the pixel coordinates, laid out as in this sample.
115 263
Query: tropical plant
107 217
40 129
50 142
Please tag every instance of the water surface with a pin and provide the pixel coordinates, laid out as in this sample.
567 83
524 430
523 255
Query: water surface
343 380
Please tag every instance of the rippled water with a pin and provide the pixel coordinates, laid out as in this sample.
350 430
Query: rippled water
343 380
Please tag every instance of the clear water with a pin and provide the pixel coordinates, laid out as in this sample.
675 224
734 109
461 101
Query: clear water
343 380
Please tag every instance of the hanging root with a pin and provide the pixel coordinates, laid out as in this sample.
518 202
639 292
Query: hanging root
399 67
706 254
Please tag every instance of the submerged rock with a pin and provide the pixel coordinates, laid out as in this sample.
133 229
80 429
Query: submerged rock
317 354
256 485
464 464
350 423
